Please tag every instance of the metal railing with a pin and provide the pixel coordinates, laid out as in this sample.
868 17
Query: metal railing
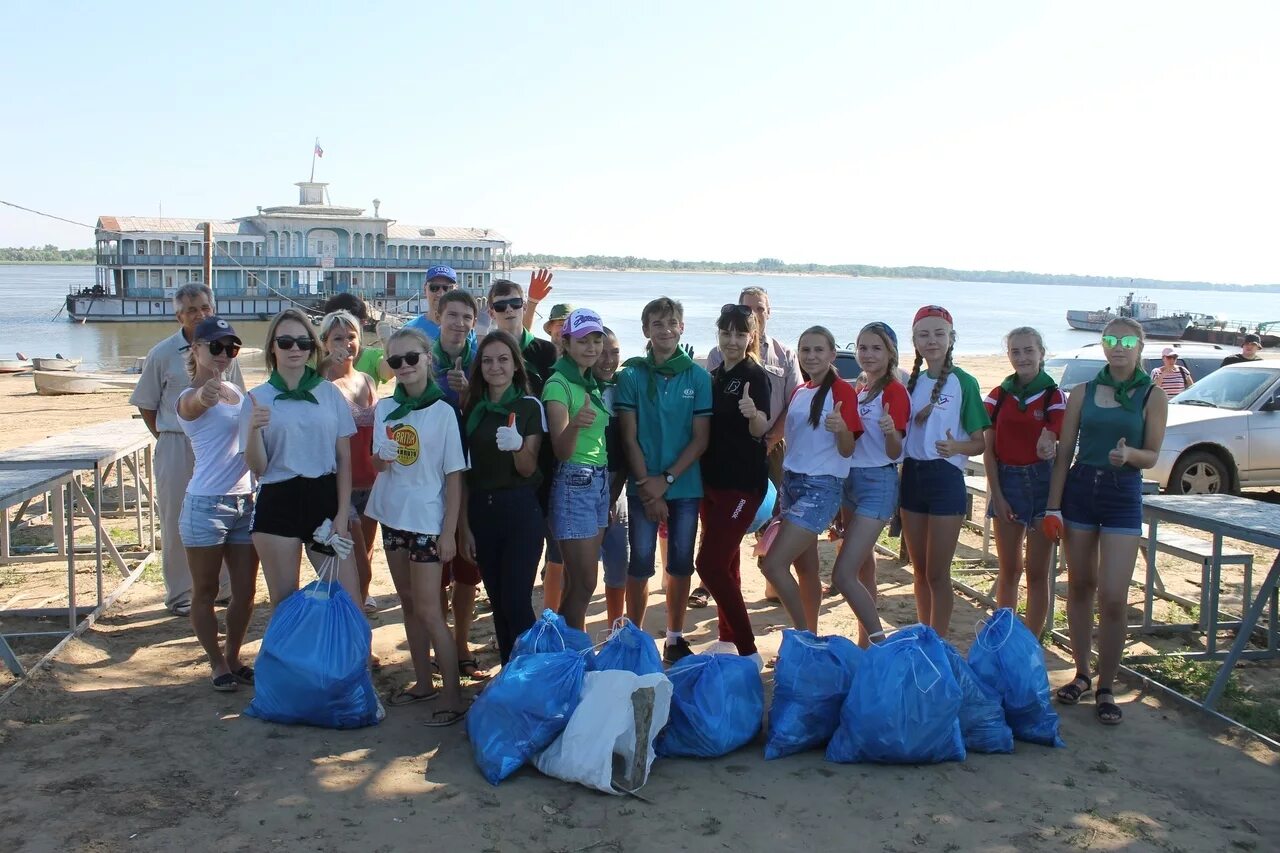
267 261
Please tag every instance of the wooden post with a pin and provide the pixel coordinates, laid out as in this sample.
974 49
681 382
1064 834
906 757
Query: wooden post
208 255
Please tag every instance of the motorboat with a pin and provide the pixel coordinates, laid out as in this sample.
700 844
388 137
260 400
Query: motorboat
57 382
15 365
58 362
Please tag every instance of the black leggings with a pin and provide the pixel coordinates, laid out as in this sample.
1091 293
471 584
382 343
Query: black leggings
508 527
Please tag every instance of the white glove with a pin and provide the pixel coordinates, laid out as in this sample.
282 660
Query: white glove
341 546
509 438
388 452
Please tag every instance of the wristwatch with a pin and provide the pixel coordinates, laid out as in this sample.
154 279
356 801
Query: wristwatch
669 477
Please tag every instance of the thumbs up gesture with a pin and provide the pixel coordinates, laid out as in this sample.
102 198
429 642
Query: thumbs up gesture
508 437
1119 456
260 416
835 420
887 426
746 405
457 377
946 447
585 416
1046 444
210 391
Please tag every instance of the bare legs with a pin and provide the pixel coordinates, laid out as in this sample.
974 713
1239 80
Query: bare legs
206 566
803 598
1099 568
931 542
552 586
860 538
581 563
424 626
1009 551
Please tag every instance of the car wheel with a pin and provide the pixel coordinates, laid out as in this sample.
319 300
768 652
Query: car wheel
1200 473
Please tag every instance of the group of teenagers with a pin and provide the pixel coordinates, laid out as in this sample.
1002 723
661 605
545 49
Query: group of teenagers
496 450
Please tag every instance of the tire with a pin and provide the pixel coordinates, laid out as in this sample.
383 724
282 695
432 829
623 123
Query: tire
1198 473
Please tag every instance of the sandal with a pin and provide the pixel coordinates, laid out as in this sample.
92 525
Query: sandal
699 598
1070 694
1108 713
226 683
404 697
244 675
469 668
441 719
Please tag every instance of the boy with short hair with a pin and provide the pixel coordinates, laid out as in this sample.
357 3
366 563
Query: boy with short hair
506 311
663 401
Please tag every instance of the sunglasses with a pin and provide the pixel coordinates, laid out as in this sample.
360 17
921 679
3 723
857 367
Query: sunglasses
733 308
285 342
440 288
1128 341
515 303
218 348
409 358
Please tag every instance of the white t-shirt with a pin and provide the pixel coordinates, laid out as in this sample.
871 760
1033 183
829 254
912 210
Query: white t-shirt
164 377
409 495
215 439
302 438
812 450
870 451
959 409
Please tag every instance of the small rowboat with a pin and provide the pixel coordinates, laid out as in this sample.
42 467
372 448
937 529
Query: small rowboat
55 382
14 365
56 363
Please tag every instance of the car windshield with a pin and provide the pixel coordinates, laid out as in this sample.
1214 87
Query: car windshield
1233 388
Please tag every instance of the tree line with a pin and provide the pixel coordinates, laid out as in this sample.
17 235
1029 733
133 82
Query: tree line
48 254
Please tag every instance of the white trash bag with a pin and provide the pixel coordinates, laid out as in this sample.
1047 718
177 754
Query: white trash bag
608 743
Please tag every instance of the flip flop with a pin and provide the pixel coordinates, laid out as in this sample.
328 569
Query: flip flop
404 697
226 683
441 719
699 598
244 675
476 673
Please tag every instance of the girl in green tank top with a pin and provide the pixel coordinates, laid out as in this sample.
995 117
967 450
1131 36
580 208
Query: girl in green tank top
1119 426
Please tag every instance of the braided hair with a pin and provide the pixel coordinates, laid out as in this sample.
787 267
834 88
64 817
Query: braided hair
938 384
824 388
891 370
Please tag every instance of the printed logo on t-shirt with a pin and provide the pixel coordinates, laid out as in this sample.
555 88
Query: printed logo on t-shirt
1038 414
688 392
943 399
733 388
406 439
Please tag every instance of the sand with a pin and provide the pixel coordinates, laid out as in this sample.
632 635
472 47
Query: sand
121 745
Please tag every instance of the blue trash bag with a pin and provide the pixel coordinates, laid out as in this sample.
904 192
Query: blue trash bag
313 666
630 649
904 705
765 512
523 710
717 705
981 715
550 633
810 684
1007 658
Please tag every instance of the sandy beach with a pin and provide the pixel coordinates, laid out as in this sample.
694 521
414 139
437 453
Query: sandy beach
120 745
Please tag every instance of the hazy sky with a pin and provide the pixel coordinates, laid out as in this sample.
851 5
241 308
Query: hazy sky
1111 138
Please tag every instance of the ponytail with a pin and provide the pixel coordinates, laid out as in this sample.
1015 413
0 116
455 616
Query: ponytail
820 399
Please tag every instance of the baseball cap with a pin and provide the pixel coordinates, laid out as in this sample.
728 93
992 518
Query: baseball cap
581 323
933 311
442 271
215 329
1253 339
1168 351
559 312
884 327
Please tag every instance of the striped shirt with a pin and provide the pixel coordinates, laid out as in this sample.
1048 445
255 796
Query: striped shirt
1174 380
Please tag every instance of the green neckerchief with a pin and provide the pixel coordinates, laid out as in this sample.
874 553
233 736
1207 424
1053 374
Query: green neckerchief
1041 382
569 371
411 404
1139 379
526 339
678 363
443 360
309 380
485 405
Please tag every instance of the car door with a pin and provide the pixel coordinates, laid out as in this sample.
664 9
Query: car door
1264 441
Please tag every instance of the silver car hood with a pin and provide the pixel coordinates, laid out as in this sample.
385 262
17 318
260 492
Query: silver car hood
1183 415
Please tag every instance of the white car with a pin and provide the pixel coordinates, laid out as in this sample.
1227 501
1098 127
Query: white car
1223 432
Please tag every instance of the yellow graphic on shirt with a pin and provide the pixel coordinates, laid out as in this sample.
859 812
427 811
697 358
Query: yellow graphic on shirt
406 439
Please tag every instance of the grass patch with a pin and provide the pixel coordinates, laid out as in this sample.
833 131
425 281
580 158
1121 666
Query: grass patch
1258 711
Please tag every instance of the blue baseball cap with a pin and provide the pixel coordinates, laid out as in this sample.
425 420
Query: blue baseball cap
215 329
442 271
884 327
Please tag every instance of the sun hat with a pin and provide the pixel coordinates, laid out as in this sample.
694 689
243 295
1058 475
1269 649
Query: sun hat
581 323
559 312
933 311
442 271
215 329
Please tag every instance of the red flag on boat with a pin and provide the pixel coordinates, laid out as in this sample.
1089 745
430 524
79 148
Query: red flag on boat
319 150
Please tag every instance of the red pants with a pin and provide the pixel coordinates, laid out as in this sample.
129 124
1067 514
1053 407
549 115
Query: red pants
726 514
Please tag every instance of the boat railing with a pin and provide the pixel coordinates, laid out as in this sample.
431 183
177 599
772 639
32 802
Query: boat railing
294 262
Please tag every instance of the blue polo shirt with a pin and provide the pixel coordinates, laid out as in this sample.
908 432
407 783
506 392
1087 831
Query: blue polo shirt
664 422
442 373
431 328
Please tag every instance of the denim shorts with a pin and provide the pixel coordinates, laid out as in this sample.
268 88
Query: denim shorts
211 520
615 550
1103 500
1026 490
682 534
933 487
359 500
810 501
579 501
872 492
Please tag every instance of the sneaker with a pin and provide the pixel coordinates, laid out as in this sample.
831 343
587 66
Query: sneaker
675 651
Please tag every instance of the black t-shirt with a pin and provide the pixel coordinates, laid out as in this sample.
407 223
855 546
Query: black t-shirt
735 459
539 359
493 469
1237 359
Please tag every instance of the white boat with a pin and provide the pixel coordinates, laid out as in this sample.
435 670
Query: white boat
56 363
55 382
14 365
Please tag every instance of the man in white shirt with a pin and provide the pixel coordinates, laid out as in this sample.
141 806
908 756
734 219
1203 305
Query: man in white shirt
164 376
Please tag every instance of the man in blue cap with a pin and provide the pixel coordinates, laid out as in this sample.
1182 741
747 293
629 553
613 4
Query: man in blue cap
440 280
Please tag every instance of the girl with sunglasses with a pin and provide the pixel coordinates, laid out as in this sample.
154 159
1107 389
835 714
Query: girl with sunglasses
947 422
822 422
504 436
1097 502
217 512
303 462
417 498
340 337
735 469
1026 418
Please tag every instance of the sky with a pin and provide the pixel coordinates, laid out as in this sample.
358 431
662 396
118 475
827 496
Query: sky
1130 139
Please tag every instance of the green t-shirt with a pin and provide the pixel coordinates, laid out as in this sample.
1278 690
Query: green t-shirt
493 469
664 422
367 363
590 448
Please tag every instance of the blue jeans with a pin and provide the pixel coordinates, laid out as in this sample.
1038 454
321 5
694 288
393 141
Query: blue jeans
872 492
682 532
1026 490
615 550
1107 500
933 487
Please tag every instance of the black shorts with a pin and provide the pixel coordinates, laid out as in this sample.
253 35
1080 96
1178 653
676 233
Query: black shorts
295 508
422 547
